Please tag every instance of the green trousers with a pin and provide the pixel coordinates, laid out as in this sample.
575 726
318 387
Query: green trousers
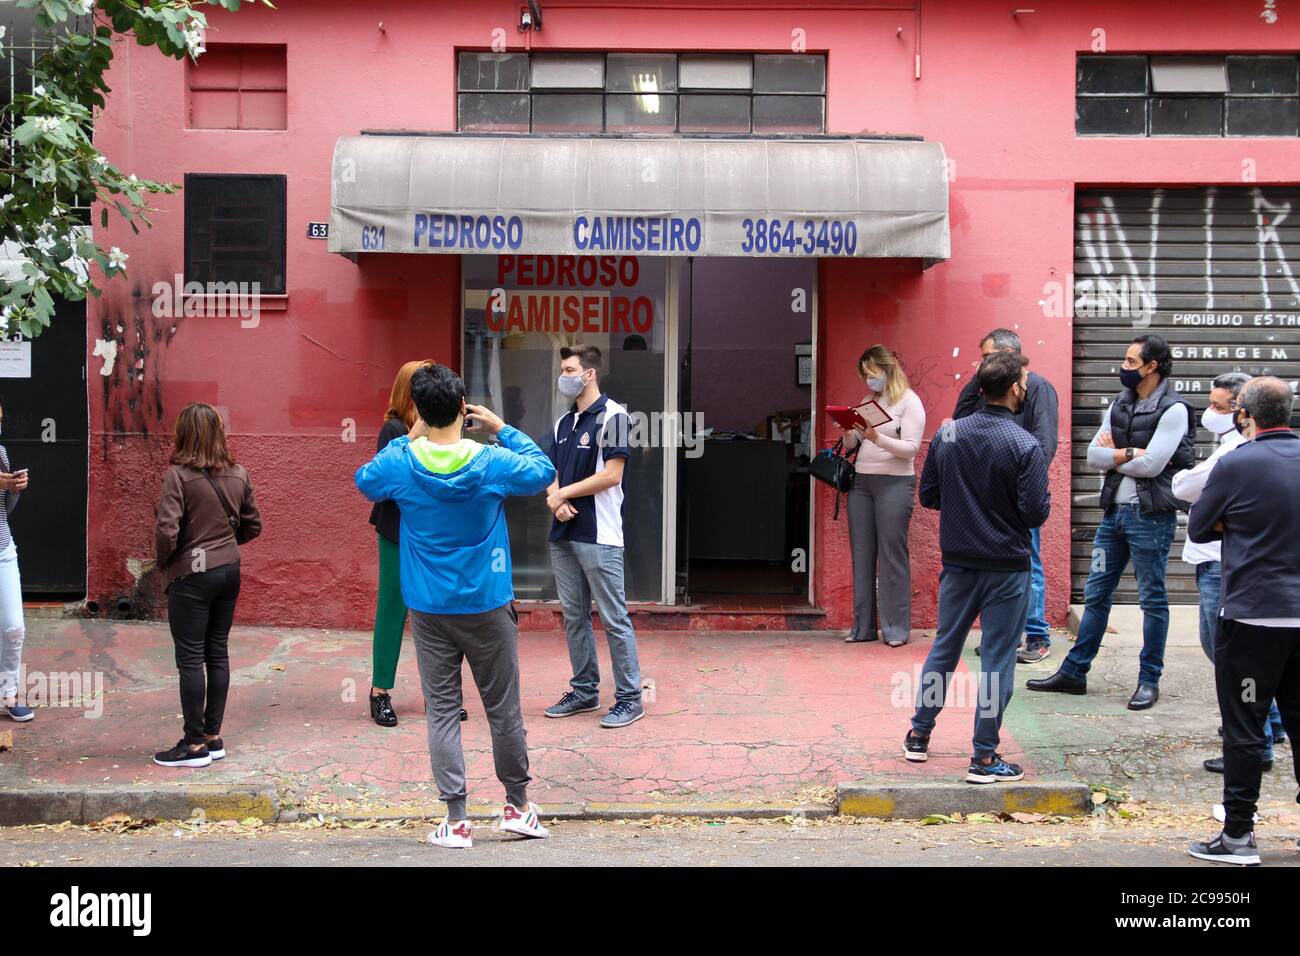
390 615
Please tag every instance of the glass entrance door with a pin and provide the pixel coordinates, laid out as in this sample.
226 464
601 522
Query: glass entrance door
518 311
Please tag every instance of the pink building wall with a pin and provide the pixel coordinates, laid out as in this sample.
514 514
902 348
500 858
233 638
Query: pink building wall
997 91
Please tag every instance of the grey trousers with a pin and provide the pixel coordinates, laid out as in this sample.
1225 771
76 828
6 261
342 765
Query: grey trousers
490 642
880 512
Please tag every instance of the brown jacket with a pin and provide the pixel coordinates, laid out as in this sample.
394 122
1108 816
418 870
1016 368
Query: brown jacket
193 531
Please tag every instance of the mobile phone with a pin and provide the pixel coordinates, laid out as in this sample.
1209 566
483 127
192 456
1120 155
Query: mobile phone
20 473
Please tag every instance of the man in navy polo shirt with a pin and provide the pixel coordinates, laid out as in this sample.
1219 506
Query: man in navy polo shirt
589 452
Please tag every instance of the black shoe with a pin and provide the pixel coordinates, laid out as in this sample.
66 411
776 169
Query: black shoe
1215 765
381 710
182 756
978 649
916 749
464 714
1245 853
216 748
1144 697
1220 730
1060 684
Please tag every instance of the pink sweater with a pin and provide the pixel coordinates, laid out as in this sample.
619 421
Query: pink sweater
897 441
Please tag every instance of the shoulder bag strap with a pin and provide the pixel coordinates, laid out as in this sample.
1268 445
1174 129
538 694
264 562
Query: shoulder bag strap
230 515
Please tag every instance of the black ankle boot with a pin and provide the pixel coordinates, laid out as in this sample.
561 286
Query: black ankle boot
381 710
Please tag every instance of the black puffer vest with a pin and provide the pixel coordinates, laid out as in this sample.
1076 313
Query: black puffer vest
1132 427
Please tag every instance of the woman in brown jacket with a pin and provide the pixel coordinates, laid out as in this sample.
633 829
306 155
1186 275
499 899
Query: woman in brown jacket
206 512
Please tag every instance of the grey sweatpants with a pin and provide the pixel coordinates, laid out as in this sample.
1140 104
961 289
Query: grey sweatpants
490 642
880 513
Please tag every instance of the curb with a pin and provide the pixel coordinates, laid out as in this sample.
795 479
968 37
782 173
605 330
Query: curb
585 811
914 801
20 806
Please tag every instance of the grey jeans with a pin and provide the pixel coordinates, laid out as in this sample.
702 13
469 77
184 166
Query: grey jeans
880 512
490 642
585 572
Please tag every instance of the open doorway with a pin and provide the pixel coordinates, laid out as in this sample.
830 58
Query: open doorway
746 377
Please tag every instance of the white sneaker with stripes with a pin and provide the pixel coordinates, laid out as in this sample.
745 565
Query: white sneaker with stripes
454 836
523 821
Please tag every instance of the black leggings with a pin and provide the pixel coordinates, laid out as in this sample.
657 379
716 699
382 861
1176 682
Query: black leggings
200 611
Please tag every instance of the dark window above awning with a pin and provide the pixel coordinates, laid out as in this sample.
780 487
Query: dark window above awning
819 197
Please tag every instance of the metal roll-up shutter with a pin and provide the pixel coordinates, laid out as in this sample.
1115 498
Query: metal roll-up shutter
1215 271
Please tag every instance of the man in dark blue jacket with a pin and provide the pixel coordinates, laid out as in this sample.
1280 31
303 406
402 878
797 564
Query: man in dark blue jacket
987 477
1252 502
1039 415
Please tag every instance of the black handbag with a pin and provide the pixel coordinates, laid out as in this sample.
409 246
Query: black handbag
835 468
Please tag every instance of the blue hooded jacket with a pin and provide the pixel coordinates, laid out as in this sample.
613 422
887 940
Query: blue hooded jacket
455 550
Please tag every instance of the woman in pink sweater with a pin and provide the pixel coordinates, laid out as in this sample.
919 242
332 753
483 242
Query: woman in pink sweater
880 504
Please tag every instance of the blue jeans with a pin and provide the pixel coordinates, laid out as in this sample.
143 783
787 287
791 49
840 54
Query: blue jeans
585 572
1001 600
1036 631
1209 584
1124 533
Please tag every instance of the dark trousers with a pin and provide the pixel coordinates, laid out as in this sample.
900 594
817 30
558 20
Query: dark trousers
200 611
1252 666
1001 601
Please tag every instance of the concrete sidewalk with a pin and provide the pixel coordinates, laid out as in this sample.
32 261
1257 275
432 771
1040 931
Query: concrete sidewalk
736 721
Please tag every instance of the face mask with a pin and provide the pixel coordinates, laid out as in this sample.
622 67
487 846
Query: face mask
1220 423
570 386
1130 377
877 385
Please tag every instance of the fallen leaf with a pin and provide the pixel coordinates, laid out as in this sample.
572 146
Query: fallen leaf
1028 817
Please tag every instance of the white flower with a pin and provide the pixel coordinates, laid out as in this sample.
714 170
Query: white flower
4 200
83 6
99 163
38 90
117 259
47 124
49 173
132 179
194 42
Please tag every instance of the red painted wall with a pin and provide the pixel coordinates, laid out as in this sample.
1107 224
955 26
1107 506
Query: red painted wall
997 91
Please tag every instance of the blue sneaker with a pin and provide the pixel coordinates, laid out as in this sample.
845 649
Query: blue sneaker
622 713
999 769
571 704
18 712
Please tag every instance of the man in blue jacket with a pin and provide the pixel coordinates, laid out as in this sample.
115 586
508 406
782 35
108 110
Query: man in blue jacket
456 580
1251 502
987 477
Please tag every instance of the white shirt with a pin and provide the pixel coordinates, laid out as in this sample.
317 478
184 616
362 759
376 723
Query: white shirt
1188 485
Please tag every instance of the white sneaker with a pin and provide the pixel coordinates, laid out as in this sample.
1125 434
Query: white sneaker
454 836
1221 814
525 822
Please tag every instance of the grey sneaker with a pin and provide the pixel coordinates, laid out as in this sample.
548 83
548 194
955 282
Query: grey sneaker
1219 850
622 714
571 704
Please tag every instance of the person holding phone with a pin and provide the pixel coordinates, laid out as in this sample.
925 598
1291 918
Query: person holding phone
880 504
390 610
12 628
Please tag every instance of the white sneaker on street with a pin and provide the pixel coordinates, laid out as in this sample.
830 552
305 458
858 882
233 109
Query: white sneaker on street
1221 814
525 821
454 836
